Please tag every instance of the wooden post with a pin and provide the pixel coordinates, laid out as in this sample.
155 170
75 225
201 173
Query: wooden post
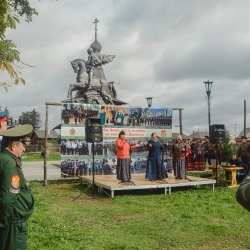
46 138
45 146
245 115
180 118
180 121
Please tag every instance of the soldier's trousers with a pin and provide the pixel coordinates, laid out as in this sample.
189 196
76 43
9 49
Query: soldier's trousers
14 236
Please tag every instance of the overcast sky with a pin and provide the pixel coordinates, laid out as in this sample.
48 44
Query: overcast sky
163 48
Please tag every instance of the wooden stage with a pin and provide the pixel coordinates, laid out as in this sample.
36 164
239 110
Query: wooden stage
111 183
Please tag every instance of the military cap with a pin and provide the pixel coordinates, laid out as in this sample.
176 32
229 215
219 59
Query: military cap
243 137
3 115
206 136
18 133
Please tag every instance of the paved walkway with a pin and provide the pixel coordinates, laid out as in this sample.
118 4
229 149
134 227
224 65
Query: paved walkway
35 170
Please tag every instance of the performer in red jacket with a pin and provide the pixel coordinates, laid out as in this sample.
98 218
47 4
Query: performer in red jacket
123 158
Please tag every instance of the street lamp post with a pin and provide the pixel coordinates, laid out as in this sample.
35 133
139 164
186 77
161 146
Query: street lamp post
149 101
149 110
208 86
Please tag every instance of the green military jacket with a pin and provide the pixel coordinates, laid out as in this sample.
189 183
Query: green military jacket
211 149
244 149
16 199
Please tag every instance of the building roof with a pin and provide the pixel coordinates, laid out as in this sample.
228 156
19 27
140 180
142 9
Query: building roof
176 131
199 134
247 133
41 134
186 137
57 127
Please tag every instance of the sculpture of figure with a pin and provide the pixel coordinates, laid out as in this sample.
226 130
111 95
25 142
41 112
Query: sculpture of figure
90 66
91 85
81 78
94 64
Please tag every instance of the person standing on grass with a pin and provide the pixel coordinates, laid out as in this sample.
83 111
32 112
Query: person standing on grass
205 145
192 147
199 150
16 199
244 153
189 157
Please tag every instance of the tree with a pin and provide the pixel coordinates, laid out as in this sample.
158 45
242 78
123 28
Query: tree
227 151
8 52
32 118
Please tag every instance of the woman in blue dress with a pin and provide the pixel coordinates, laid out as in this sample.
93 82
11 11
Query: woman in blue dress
155 169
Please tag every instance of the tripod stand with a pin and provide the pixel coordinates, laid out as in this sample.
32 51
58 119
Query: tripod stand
93 185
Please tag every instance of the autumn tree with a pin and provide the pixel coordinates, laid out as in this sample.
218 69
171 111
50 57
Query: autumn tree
10 11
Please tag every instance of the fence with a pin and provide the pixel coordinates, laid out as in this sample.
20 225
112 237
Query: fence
39 148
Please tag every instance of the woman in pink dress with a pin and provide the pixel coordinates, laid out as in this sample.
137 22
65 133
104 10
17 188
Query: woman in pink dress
199 163
189 157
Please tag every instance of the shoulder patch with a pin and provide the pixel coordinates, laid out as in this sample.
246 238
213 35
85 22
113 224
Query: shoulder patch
15 181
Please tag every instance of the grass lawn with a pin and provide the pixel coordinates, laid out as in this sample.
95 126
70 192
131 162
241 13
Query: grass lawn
36 156
189 218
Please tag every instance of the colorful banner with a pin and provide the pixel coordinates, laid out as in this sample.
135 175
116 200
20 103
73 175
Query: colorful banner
137 122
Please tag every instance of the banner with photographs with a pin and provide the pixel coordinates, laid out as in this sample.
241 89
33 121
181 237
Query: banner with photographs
138 123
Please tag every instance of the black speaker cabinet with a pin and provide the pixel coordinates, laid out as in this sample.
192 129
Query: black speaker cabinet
217 133
93 129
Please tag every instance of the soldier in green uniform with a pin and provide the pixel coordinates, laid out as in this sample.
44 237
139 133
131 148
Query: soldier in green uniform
244 153
16 199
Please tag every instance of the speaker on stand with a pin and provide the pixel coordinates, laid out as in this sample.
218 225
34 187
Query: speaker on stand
93 133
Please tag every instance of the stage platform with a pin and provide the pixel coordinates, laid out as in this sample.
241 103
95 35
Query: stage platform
111 183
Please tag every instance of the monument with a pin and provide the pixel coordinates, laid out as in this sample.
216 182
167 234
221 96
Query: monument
91 85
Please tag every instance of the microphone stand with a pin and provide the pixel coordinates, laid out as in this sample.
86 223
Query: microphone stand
93 185
130 152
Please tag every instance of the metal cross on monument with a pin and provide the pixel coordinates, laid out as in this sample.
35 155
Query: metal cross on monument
95 22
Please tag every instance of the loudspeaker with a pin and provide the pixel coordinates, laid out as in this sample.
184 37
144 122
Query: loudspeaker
93 129
217 133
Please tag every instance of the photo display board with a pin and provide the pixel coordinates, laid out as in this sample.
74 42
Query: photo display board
137 122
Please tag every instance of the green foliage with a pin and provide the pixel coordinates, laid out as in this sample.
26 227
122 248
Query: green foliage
58 139
22 7
8 52
189 218
32 118
29 157
227 151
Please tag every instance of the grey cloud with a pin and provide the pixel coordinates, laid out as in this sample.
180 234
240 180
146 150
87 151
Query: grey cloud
164 49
